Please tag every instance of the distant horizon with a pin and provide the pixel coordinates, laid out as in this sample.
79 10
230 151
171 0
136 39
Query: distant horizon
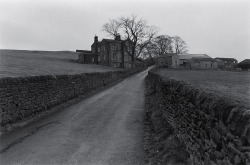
218 28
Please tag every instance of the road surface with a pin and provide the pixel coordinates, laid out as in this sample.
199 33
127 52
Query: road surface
105 128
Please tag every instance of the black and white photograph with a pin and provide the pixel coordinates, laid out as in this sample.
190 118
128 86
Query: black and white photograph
125 82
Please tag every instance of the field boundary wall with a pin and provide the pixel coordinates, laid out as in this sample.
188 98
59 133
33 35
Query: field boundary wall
26 97
215 130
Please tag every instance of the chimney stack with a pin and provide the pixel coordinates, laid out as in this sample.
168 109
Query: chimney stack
118 37
96 39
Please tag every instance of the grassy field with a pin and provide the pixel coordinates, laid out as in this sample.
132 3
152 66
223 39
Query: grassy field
16 63
233 85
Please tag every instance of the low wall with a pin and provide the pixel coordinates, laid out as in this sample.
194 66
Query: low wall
26 97
213 129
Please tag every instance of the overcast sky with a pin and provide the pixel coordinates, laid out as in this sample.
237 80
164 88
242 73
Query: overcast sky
219 28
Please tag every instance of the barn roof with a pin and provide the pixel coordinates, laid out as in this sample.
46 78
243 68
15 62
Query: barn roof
166 55
226 59
189 56
246 61
198 59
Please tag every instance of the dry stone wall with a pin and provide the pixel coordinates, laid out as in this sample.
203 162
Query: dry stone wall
215 130
25 97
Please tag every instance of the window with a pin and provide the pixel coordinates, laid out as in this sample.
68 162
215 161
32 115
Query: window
104 57
118 47
114 56
128 48
129 58
206 65
99 49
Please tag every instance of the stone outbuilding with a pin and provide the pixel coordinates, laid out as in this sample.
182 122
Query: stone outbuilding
220 63
244 65
187 61
229 63
86 56
161 61
168 60
203 63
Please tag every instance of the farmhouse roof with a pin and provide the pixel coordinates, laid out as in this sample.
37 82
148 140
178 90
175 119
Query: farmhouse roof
189 56
109 40
114 40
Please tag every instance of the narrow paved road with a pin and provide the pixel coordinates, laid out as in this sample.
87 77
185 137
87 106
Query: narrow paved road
105 128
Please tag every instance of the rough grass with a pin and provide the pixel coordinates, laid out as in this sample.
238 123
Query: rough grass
232 85
16 63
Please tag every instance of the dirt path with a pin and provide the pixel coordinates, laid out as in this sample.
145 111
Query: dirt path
106 128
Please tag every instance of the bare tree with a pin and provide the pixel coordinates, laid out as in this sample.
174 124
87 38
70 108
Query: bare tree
180 45
151 50
164 44
136 31
112 27
160 46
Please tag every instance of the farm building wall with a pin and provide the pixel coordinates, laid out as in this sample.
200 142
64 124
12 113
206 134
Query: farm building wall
203 64
161 62
175 62
86 58
25 97
228 63
213 129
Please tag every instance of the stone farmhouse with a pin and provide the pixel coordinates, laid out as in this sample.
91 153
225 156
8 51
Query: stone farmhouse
110 52
227 63
187 61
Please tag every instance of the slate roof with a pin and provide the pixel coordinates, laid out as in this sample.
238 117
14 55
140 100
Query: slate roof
246 61
189 56
226 59
166 55
110 40
198 59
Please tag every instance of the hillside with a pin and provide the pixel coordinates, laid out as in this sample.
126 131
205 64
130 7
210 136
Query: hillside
16 63
232 85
